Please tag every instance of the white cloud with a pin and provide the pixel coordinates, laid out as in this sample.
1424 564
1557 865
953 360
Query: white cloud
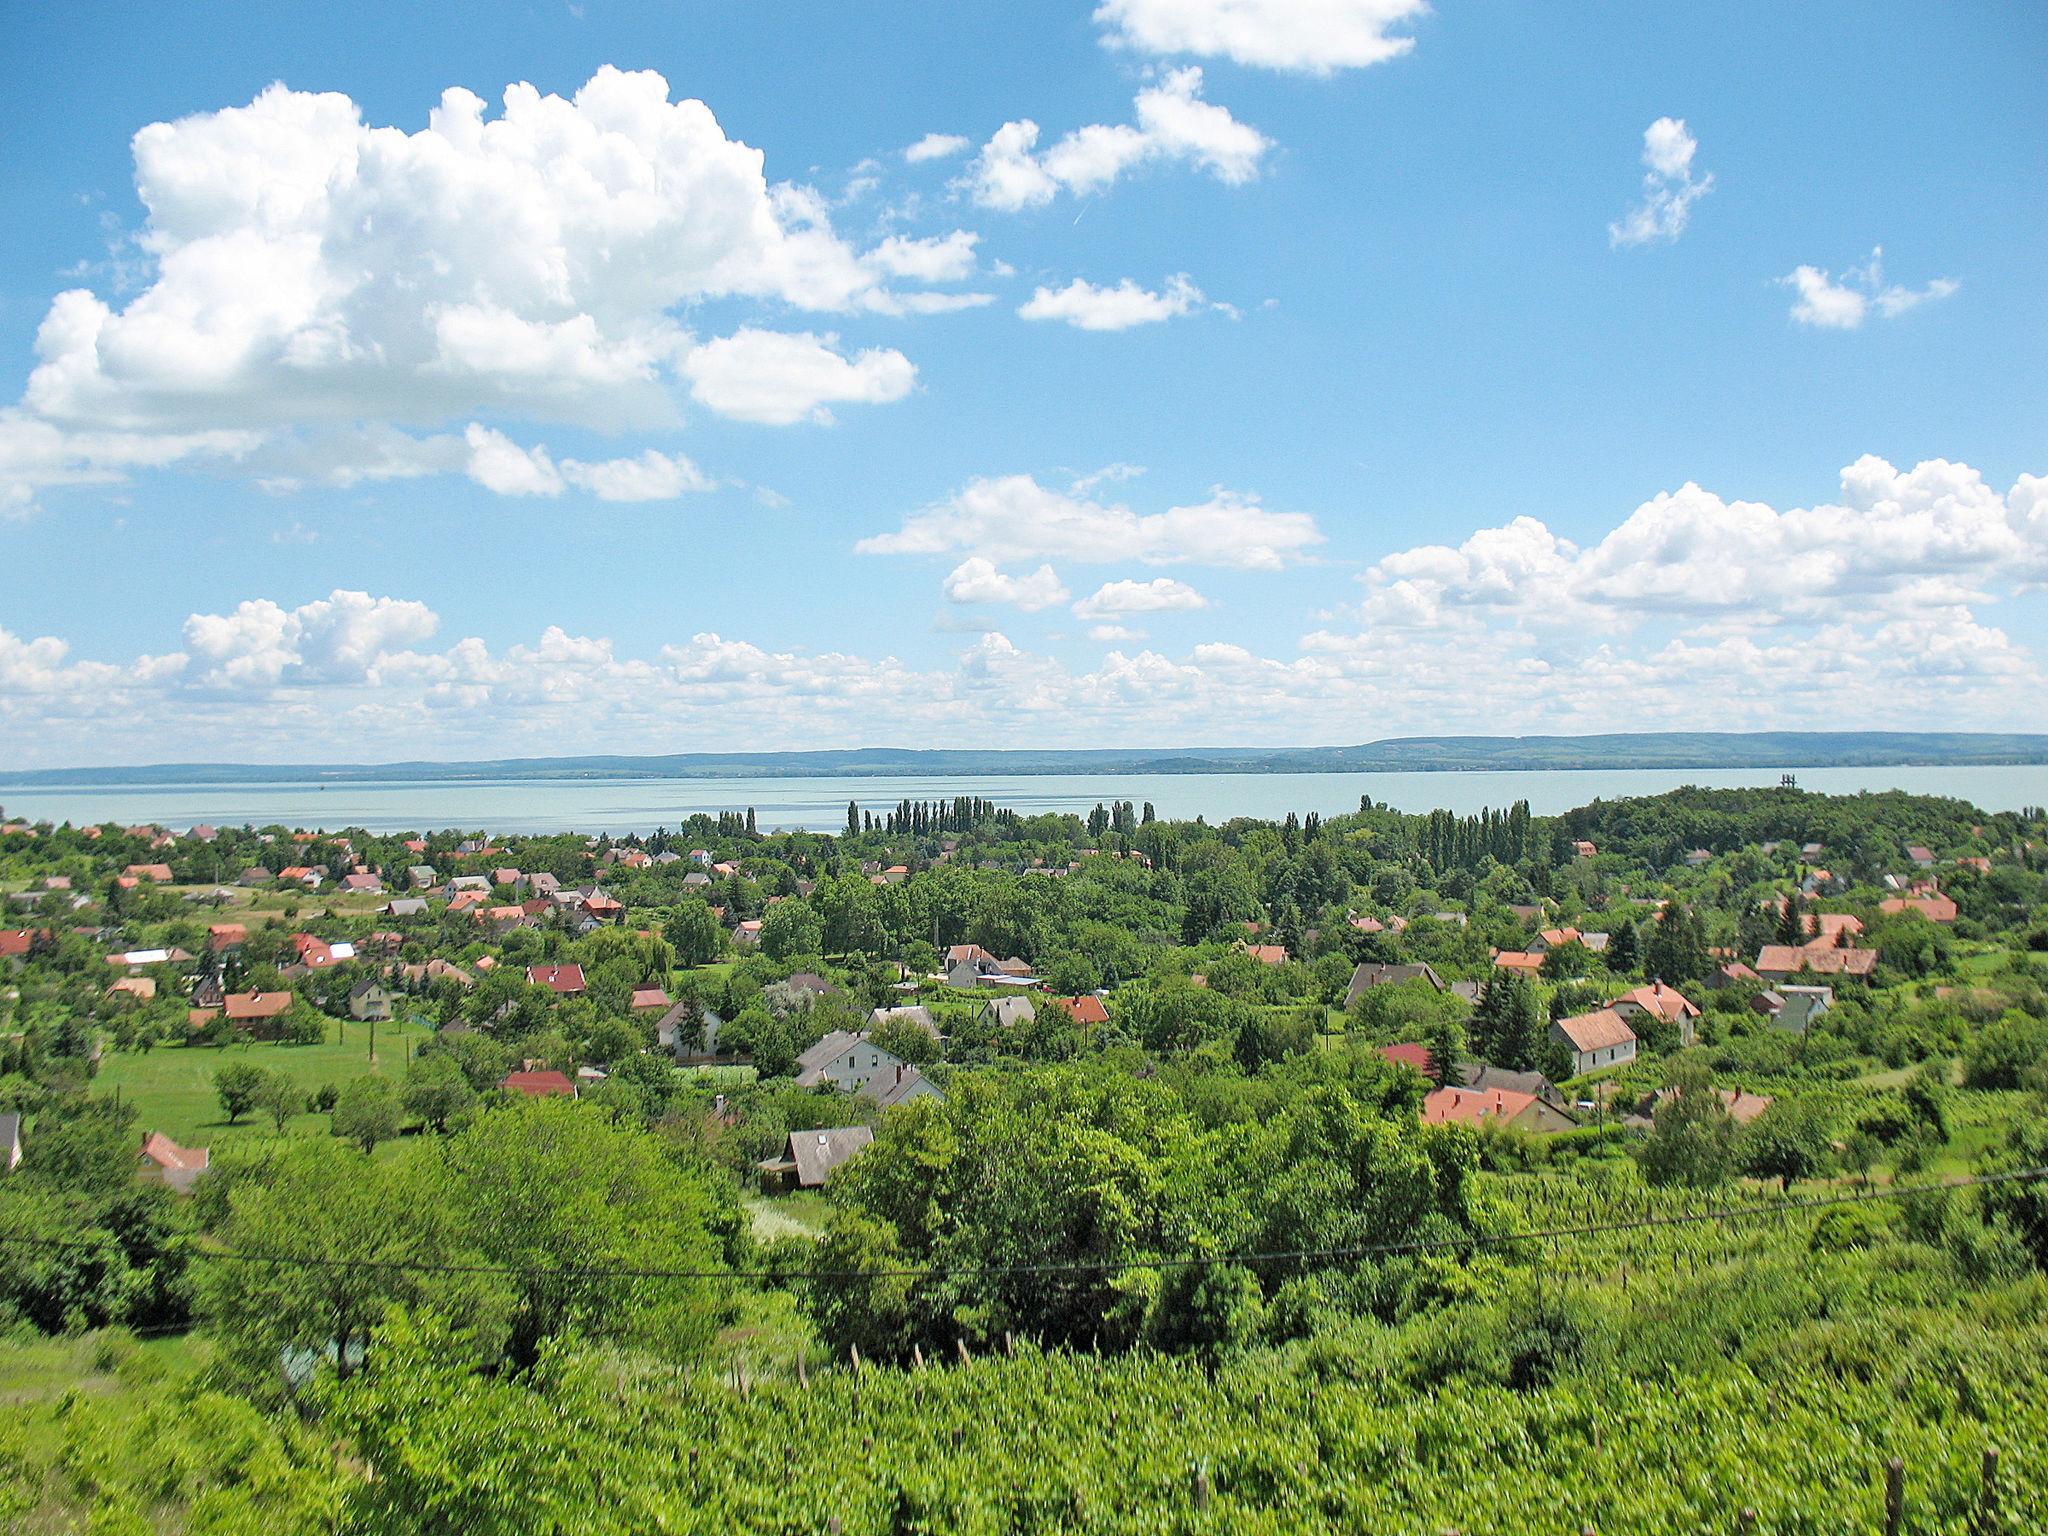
1843 306
651 476
779 378
1897 542
339 638
1113 632
1175 126
1013 517
1669 188
935 146
314 276
1310 36
500 465
1087 307
1116 598
976 580
934 259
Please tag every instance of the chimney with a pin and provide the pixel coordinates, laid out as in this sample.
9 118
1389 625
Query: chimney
899 1071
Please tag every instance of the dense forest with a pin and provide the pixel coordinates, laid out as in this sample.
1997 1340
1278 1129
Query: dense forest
1264 1179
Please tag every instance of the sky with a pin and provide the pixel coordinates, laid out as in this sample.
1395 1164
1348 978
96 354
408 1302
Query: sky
465 381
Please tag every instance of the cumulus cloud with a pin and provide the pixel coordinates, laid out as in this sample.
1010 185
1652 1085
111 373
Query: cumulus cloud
501 465
1896 542
1823 302
1119 598
935 146
342 637
1313 37
976 580
1090 308
1669 187
1175 126
779 378
1013 517
314 275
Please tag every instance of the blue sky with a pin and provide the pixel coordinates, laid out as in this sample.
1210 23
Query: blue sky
1472 367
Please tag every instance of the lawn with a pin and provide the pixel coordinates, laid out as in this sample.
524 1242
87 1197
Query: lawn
172 1086
801 1213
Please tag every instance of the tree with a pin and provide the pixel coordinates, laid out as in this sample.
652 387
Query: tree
791 928
1445 1037
1621 947
237 1084
1787 1141
367 1112
1677 948
436 1091
280 1097
1508 1028
1692 1138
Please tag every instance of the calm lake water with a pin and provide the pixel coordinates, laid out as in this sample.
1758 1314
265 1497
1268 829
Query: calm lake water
819 804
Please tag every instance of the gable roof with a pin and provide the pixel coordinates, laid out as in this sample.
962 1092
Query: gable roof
828 1049
538 1085
1470 1106
1410 1055
1366 977
1788 959
1085 1009
817 1153
172 1158
1667 1003
1596 1031
257 1005
565 980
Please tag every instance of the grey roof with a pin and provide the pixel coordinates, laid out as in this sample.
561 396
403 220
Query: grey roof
906 1084
825 1050
1368 976
1011 1010
817 1153
916 1014
1485 1077
406 906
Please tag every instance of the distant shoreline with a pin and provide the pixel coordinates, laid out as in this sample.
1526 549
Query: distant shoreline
1788 751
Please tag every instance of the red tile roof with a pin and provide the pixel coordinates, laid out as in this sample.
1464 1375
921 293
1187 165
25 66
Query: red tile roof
1470 1106
258 1005
567 980
539 1085
1416 1056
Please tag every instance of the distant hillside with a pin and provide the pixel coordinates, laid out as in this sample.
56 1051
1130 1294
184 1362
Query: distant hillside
1664 749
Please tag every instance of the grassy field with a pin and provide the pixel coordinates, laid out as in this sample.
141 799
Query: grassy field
801 1213
172 1086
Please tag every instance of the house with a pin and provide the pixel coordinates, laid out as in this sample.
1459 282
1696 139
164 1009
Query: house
10 1142
696 880
1267 954
1496 1107
1365 977
1922 858
1485 1077
1527 962
562 980
317 954
1932 905
1742 1107
1698 858
538 1085
597 903
507 877
156 874
650 1000
136 959
915 1014
811 1156
1728 974
1004 1012
748 932
1086 1010
812 985
1584 850
689 1041
421 877
257 1013
1794 1008
1657 1001
15 943
362 884
1779 962
141 988
222 938
406 906
855 1064
370 1000
501 920
163 1161
1596 1040
255 874
1410 1055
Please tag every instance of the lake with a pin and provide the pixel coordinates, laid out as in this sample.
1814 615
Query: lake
819 804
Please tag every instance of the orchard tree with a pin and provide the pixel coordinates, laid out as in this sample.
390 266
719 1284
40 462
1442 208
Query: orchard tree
367 1112
237 1084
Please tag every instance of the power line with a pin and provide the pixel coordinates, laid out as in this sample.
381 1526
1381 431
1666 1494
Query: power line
1082 1267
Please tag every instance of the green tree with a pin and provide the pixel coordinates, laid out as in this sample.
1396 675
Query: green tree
791 928
692 931
280 1097
236 1085
1787 1141
367 1112
1508 1028
436 1091
1692 1138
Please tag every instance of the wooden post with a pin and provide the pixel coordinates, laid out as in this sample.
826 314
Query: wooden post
958 1435
917 1356
1201 1488
1894 1495
1010 1343
1987 1496
853 1354
960 1345
803 1377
